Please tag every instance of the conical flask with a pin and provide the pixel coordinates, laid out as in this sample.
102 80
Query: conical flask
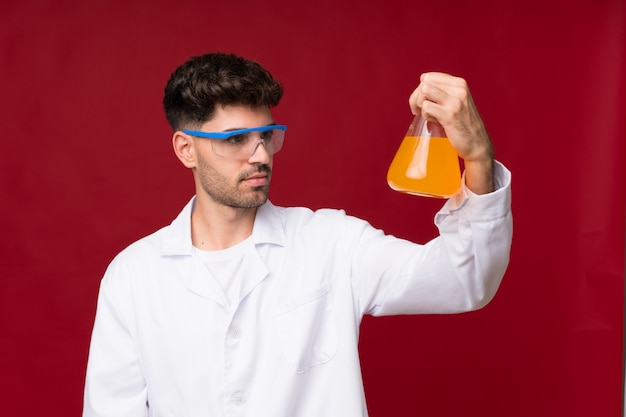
425 164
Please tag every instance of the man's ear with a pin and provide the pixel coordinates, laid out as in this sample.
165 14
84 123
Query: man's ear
184 149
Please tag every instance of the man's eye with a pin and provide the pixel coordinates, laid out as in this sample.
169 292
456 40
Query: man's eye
267 135
238 139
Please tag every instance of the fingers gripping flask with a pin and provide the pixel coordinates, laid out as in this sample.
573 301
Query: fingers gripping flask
425 164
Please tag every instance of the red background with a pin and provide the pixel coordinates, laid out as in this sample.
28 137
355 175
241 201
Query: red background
86 167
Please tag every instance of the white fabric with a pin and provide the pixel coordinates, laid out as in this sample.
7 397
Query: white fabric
225 266
165 342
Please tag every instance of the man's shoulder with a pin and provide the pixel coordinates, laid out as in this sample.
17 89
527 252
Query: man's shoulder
300 213
144 247
314 219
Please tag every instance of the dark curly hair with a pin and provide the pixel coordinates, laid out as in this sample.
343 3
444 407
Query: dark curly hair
201 83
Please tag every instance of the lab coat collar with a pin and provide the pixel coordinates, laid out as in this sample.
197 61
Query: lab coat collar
268 228
201 282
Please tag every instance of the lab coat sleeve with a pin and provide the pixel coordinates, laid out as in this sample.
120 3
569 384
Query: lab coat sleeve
458 271
114 386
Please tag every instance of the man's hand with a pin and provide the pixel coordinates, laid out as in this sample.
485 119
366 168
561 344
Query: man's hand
447 99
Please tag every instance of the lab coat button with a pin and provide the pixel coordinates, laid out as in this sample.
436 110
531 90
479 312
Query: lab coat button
235 332
239 398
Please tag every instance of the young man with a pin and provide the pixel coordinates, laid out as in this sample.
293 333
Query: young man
243 308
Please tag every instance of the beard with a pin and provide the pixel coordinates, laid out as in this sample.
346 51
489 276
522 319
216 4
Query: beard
237 195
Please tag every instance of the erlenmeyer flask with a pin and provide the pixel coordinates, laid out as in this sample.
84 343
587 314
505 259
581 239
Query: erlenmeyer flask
426 164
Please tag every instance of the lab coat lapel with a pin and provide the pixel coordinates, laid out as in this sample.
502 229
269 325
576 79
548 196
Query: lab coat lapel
255 271
201 283
268 232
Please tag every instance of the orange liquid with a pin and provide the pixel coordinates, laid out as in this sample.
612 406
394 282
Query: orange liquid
430 170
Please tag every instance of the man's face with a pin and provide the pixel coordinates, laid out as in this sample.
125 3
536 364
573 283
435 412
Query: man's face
233 182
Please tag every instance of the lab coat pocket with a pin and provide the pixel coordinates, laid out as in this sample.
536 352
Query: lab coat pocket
307 330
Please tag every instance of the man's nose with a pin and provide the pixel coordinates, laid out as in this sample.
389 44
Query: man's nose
260 153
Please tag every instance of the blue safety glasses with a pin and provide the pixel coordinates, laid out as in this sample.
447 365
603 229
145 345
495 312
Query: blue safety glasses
243 143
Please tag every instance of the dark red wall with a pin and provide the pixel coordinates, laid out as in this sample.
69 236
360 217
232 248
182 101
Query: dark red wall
86 167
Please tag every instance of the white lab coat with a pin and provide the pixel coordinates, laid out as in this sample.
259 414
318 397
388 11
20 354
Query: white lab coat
168 342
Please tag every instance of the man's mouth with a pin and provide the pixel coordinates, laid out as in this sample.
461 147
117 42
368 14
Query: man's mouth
258 178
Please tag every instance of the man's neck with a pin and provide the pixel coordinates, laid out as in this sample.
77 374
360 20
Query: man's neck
217 227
